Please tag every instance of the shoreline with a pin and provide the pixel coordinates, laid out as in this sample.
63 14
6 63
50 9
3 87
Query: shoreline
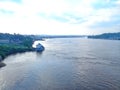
19 50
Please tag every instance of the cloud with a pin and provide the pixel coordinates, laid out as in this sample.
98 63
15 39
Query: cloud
9 6
59 16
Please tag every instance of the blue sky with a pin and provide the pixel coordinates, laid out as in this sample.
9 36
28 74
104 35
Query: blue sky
76 17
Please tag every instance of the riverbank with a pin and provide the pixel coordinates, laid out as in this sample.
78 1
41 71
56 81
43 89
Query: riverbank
6 50
14 43
108 36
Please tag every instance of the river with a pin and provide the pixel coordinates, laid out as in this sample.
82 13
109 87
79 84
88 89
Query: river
66 64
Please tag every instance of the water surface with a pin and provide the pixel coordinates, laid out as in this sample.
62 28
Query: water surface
66 64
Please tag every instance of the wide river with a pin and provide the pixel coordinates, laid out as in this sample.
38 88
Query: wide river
66 64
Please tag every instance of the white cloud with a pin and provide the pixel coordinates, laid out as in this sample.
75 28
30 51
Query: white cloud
118 2
26 17
10 6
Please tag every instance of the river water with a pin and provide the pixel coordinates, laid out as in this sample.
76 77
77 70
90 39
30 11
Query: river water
66 64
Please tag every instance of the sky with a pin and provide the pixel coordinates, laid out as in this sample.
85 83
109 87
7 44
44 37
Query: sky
59 17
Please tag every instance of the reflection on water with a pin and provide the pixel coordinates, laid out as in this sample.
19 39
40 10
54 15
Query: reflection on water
66 64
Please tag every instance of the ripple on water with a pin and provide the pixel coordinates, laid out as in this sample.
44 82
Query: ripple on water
74 64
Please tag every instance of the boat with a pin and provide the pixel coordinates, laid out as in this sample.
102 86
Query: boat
39 48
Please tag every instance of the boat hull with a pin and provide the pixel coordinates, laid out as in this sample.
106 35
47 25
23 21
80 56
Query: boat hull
40 49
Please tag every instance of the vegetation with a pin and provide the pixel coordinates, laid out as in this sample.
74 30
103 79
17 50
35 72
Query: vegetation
111 36
6 50
16 43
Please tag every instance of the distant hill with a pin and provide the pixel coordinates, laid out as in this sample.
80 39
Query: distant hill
110 36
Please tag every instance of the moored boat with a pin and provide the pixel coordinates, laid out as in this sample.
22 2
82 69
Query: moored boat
39 47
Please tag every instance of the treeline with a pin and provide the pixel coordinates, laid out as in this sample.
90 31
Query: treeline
16 43
11 36
111 36
17 39
6 50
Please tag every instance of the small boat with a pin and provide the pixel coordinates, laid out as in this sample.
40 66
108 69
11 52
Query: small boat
39 48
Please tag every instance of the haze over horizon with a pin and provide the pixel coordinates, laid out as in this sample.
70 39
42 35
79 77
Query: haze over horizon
59 17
